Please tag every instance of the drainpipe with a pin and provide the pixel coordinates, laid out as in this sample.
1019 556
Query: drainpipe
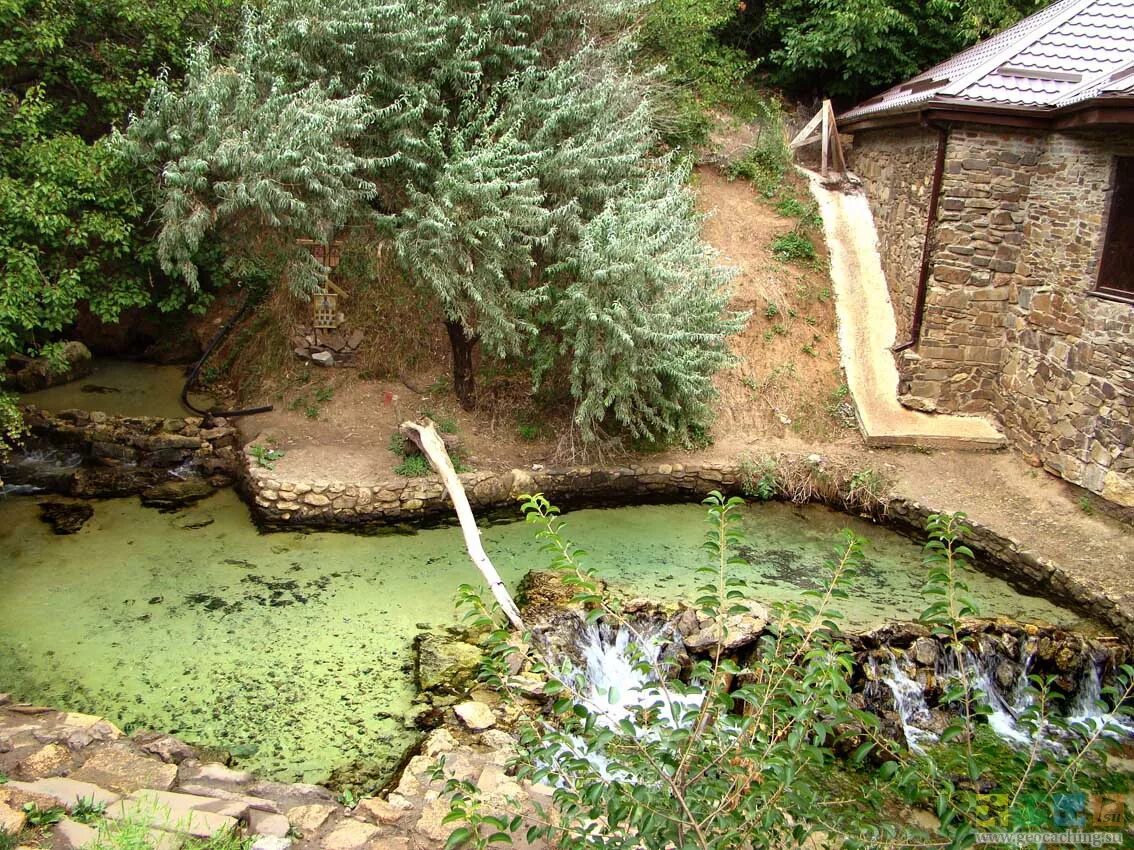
926 248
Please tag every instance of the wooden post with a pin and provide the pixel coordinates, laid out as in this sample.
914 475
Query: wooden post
826 137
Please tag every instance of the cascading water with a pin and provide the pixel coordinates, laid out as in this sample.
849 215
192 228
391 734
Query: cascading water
909 700
37 470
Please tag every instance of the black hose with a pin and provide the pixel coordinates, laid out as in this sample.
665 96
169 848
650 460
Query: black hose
217 339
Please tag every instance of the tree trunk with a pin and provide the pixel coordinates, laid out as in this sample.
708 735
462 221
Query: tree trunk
462 345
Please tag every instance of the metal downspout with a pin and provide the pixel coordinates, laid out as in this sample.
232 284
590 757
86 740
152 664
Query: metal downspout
927 247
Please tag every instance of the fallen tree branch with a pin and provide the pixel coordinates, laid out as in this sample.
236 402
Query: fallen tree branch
424 435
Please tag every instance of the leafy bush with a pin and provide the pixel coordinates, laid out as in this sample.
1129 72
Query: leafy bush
413 466
794 247
265 456
851 48
769 750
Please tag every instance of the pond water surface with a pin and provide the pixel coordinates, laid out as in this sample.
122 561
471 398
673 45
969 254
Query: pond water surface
294 650
123 388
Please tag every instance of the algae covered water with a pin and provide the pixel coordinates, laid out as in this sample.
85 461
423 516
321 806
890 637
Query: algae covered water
294 650
122 388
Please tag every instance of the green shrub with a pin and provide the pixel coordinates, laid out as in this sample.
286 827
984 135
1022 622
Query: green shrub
794 247
413 466
265 456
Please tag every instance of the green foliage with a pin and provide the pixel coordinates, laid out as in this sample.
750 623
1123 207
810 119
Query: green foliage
265 456
766 750
506 151
794 247
414 466
758 478
88 811
850 48
38 817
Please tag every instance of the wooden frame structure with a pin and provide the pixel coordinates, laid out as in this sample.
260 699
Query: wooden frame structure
822 128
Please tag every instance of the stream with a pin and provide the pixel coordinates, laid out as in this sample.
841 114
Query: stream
293 650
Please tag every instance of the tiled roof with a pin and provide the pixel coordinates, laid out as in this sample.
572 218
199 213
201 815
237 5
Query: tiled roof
1070 52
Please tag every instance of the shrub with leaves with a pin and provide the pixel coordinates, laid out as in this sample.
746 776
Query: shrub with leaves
765 750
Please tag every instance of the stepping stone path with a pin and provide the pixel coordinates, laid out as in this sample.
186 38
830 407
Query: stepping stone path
59 759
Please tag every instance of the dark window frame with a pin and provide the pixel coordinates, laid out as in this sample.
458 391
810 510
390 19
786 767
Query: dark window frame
1117 256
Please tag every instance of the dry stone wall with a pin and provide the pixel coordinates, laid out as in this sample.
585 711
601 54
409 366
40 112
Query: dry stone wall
280 503
1011 327
897 166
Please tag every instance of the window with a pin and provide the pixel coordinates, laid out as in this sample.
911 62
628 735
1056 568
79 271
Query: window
1116 273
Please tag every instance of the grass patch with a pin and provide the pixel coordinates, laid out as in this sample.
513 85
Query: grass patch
794 247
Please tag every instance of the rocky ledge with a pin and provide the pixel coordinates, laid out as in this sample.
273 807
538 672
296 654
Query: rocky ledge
60 760
91 455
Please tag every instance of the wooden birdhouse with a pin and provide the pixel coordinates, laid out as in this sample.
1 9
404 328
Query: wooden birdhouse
325 299
325 302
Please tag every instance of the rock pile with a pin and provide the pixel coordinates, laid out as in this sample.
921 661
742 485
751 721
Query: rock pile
327 348
65 760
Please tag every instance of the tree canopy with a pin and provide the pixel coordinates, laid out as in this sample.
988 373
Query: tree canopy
508 155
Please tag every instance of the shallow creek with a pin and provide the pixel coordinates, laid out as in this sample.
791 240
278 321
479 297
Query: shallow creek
293 650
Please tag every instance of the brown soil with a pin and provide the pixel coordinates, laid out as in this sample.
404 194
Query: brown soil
783 385
782 394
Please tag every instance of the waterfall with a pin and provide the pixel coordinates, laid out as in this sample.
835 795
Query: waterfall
1086 708
909 699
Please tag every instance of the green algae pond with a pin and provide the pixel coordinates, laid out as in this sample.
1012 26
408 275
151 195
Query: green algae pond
293 651
122 388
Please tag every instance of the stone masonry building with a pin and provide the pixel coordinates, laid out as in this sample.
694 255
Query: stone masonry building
1002 188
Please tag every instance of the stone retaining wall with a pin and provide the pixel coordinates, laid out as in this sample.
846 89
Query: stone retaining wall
279 504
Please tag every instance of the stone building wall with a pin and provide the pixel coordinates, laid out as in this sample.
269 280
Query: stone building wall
897 167
1067 381
1010 327
976 248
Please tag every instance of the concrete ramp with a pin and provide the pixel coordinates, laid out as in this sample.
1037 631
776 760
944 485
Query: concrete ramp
867 332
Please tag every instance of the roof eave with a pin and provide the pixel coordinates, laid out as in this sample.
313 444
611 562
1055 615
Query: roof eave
1104 111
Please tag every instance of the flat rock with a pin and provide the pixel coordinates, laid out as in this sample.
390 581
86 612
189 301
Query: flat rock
379 811
475 715
67 793
308 819
51 760
125 772
271 842
350 834
217 772
11 820
165 747
72 835
432 824
291 791
171 495
323 358
172 812
258 803
266 823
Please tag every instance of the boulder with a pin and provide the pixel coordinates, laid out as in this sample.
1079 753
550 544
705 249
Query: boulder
308 819
476 716
165 747
445 664
173 495
541 590
11 820
72 835
51 760
350 834
739 630
323 358
65 517
31 374
121 770
109 482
